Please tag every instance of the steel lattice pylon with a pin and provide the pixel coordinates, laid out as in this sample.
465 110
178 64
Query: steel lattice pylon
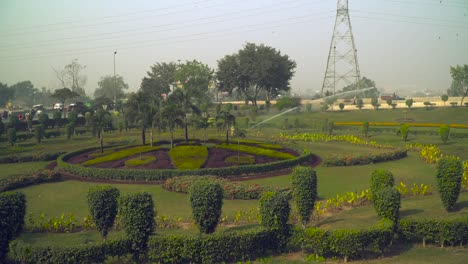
342 65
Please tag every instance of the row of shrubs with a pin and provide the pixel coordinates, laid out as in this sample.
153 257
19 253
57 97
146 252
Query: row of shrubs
40 156
159 175
15 182
232 190
361 159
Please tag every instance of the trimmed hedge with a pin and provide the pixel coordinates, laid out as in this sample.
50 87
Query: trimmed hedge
140 161
16 182
120 155
206 200
12 212
92 253
41 156
274 210
232 190
227 247
304 182
387 202
342 243
439 232
380 179
257 151
352 160
103 207
240 160
163 174
449 176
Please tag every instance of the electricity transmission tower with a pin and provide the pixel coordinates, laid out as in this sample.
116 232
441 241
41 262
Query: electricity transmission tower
342 66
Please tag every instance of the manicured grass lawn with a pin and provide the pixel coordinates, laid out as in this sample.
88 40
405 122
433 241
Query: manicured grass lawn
13 169
70 197
339 180
428 207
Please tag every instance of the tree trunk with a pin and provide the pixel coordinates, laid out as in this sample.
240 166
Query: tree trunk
101 141
143 136
186 131
227 135
172 139
151 134
466 93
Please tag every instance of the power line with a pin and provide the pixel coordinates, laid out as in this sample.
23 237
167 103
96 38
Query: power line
160 27
411 17
426 4
195 36
412 22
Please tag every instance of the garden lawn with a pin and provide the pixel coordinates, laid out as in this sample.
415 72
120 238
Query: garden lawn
67 197
339 180
14 169
427 207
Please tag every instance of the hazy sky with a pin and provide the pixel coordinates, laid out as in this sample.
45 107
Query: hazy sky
403 45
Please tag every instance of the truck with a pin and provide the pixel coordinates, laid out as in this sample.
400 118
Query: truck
393 96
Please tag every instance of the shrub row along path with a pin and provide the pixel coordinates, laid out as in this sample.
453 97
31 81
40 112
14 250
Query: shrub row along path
314 161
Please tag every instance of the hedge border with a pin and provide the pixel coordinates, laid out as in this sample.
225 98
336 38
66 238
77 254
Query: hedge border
163 174
27 158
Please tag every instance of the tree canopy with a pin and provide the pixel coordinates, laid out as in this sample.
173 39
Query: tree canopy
111 88
460 75
364 83
6 94
71 76
253 70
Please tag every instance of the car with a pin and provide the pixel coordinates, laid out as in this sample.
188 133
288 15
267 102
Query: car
58 106
38 107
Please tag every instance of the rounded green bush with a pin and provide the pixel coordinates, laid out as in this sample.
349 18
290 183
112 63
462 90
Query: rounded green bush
444 133
12 212
103 207
140 161
449 175
206 199
304 183
274 210
380 179
12 138
387 203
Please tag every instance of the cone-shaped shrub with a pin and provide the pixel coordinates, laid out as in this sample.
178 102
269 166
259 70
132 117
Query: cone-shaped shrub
380 179
137 211
449 175
304 183
274 210
387 203
206 199
103 207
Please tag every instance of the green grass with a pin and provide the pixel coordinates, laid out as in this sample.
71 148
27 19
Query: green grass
240 160
427 207
257 151
14 169
120 155
140 161
188 157
70 197
339 180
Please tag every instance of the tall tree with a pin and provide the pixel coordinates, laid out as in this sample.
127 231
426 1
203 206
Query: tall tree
173 114
138 112
456 89
6 94
194 78
112 88
25 91
364 83
100 120
71 76
460 74
64 94
254 69
229 120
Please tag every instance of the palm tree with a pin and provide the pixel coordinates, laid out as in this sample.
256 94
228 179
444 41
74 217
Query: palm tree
174 115
100 120
228 119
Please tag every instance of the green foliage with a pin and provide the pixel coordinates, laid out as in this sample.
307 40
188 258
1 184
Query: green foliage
387 202
232 190
12 136
362 159
57 116
89 253
375 103
43 119
440 232
240 160
444 133
227 247
206 199
309 107
365 128
120 155
287 102
14 122
274 210
257 151
137 211
379 180
103 207
409 102
404 131
188 157
449 175
2 127
139 161
341 106
12 211
39 133
359 103
304 183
